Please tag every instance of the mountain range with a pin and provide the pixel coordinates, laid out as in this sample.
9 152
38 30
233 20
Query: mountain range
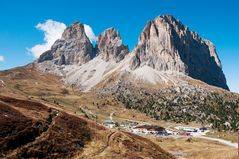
165 46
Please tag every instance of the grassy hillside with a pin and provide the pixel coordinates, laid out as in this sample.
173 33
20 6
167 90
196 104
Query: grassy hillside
33 130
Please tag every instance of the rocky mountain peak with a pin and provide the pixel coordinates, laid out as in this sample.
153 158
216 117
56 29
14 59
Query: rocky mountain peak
74 47
75 31
155 47
110 45
166 44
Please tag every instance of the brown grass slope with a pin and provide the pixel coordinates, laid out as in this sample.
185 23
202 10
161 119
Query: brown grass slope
33 130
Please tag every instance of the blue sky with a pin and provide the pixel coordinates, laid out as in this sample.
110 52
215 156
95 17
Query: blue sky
216 20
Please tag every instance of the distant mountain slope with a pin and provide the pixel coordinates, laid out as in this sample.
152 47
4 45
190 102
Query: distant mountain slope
183 102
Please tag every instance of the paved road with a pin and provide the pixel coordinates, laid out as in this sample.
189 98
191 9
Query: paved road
224 142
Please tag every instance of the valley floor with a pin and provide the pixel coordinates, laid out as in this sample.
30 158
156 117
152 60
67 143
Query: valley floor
196 148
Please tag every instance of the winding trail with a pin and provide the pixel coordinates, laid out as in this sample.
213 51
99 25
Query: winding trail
102 149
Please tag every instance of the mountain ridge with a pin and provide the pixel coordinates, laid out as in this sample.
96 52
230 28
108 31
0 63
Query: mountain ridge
165 44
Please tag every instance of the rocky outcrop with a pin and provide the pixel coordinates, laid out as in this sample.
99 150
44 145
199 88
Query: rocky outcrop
74 47
46 56
167 45
110 46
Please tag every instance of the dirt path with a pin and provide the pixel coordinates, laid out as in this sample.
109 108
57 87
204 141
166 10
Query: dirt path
103 148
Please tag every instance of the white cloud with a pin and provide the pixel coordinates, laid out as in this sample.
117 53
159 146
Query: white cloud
52 31
90 34
2 58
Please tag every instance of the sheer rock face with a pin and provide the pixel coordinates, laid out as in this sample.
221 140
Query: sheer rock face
167 45
110 46
74 47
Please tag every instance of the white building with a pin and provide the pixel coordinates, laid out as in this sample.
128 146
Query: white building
171 132
187 129
109 124
148 129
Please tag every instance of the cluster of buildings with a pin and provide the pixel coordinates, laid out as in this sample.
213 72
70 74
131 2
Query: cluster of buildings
149 130
146 129
136 128
127 124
